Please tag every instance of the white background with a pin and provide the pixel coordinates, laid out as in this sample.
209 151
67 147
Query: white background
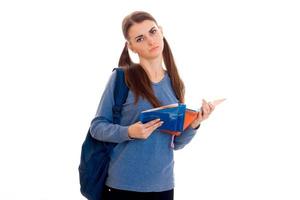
56 57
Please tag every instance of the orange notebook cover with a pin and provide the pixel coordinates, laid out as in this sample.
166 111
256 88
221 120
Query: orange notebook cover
189 117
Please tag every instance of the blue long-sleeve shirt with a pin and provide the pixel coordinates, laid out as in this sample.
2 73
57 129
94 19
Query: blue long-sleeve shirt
143 165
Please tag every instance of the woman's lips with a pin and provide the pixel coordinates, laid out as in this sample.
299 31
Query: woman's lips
154 48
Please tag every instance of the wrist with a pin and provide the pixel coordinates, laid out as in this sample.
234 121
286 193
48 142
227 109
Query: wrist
129 133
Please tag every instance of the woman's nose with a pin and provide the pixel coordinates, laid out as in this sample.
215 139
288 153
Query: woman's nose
150 41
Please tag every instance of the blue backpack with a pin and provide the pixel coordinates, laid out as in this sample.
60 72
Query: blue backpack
95 154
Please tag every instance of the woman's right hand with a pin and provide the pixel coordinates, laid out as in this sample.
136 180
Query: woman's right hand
139 130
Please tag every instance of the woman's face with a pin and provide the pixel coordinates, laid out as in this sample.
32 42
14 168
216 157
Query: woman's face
146 39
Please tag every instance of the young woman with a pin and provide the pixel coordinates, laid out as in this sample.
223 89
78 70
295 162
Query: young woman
141 165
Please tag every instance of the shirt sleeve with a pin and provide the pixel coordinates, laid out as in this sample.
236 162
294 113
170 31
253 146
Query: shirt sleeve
102 127
184 138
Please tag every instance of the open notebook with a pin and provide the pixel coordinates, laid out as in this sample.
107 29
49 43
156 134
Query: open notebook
176 117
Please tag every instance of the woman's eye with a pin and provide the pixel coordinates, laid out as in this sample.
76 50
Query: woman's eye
153 31
140 39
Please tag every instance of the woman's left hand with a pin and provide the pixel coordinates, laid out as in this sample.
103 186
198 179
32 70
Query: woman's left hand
206 109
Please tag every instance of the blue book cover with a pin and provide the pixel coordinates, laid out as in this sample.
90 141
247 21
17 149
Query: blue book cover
172 115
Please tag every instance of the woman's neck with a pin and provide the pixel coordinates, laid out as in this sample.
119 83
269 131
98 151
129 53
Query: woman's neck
153 68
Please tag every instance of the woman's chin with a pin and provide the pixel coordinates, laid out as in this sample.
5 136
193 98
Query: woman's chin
155 54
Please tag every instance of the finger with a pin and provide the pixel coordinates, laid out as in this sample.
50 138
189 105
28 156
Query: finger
204 116
154 126
212 107
205 103
206 111
203 109
203 106
200 113
199 117
218 101
151 123
206 108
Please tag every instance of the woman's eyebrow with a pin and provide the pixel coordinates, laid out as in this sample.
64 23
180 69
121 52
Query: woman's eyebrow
138 36
142 35
152 28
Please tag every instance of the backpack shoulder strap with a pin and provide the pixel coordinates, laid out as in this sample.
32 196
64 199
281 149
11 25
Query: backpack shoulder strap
120 94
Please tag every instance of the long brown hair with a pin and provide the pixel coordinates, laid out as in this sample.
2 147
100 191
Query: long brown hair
135 76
